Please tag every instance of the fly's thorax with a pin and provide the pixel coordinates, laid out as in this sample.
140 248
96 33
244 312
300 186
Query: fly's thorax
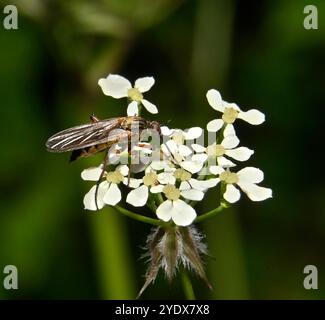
132 123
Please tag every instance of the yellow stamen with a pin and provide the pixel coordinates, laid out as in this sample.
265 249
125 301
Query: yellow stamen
182 175
229 115
229 177
114 177
216 150
171 192
135 94
150 179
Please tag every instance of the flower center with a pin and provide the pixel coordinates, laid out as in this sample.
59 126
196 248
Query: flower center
182 175
229 115
114 177
229 177
150 179
216 150
171 192
135 94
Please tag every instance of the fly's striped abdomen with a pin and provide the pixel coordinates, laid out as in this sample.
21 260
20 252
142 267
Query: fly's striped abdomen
88 151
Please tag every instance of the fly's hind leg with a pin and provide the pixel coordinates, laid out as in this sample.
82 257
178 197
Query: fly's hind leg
105 163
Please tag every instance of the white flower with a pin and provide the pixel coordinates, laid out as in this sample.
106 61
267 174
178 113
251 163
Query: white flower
226 148
175 148
150 182
177 209
231 112
195 164
247 180
174 151
138 158
179 136
174 207
179 155
119 87
108 190
188 182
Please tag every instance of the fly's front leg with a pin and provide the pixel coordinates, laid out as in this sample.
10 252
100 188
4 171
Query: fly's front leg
93 119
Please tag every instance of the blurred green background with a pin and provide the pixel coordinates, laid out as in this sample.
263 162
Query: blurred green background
256 53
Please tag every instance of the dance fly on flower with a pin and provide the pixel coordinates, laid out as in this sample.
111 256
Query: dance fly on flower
88 139
99 135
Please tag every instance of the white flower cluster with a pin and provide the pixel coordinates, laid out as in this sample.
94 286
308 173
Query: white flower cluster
183 171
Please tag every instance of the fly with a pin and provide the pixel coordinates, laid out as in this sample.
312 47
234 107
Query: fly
99 135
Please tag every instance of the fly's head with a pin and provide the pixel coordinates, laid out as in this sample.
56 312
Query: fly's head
155 126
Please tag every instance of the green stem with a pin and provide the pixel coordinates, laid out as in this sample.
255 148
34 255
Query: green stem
210 214
187 286
115 280
159 198
139 109
139 217
151 204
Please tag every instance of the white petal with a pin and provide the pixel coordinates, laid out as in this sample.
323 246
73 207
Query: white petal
159 165
114 158
164 211
144 84
165 131
215 100
252 116
171 146
225 163
115 86
91 174
192 194
157 189
149 106
230 142
231 105
143 147
250 175
133 183
232 194
216 170
112 195
229 130
256 193
89 198
136 168
185 186
133 109
192 166
138 197
166 178
201 157
203 185
124 169
182 213
184 151
215 125
198 148
193 133
240 154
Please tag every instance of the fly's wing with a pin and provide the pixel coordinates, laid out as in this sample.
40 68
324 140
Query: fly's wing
85 136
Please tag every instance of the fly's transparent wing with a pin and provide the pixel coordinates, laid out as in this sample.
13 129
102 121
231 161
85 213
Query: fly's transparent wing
85 136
